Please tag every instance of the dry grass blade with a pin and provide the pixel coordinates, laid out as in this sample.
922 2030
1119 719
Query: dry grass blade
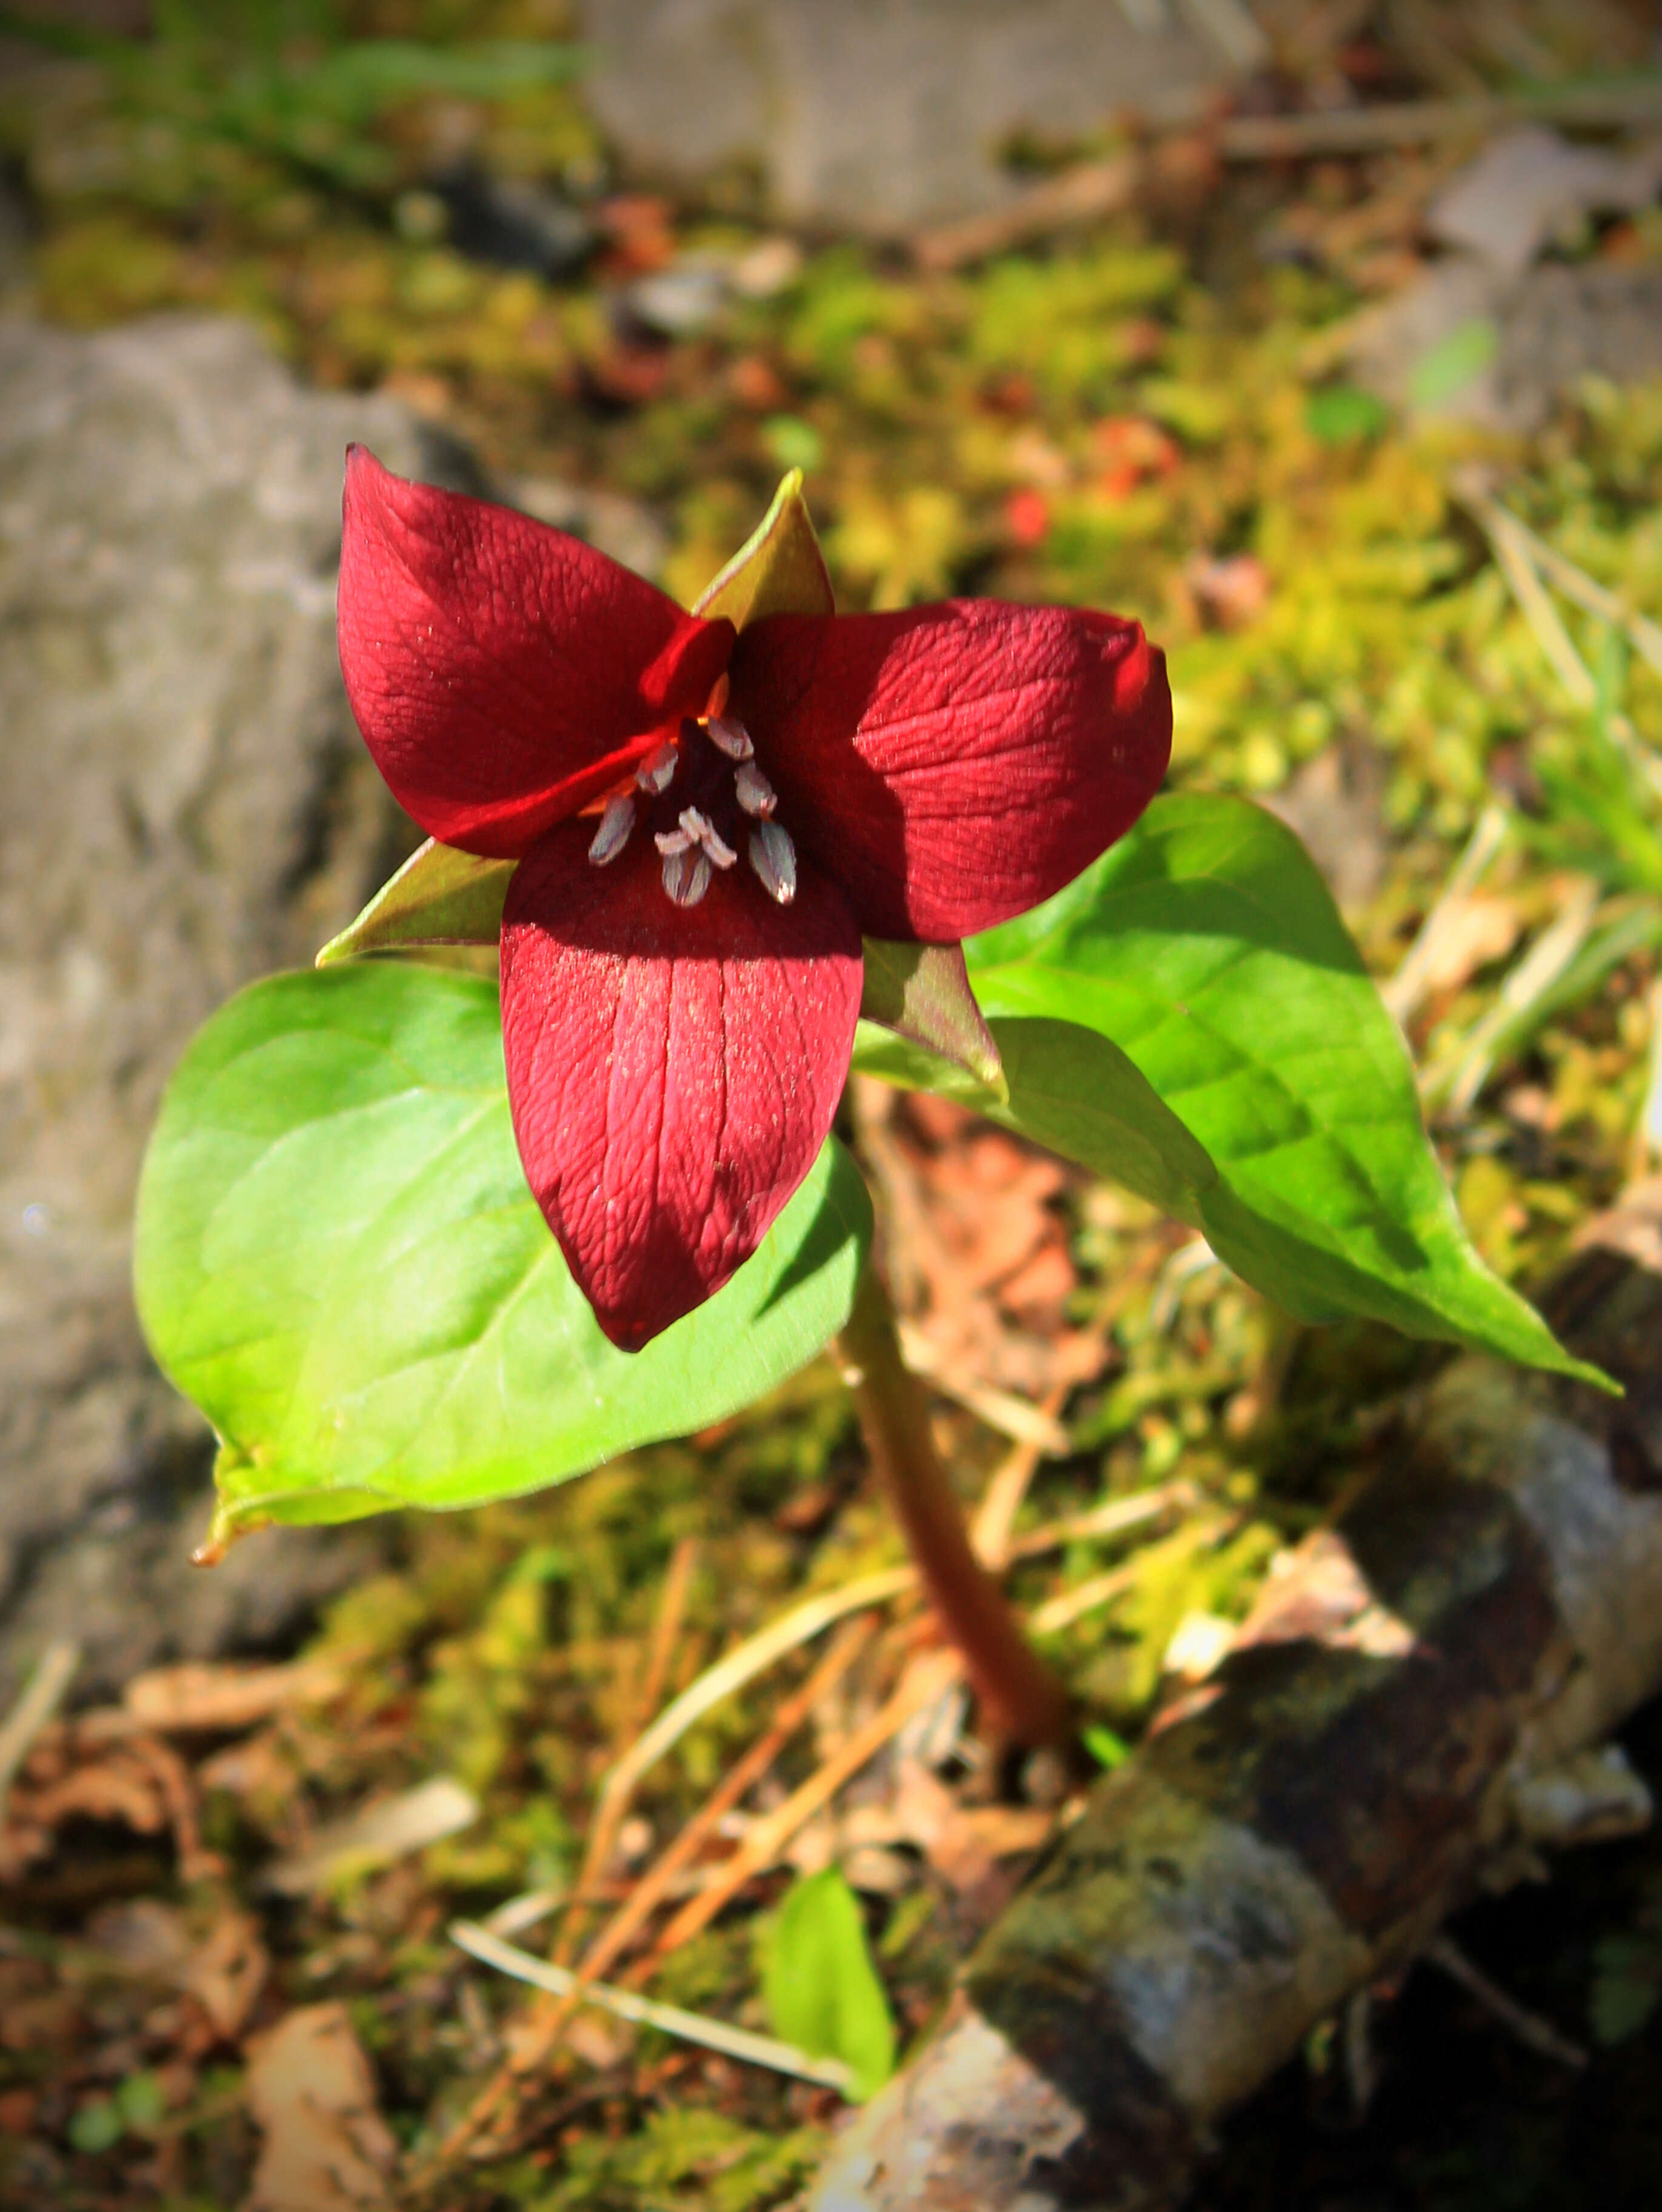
610 1813
923 1682
1514 552
996 1516
1534 975
41 1696
1080 195
1072 1605
690 2027
1016 1418
742 1776
1421 121
1116 1517
1574 582
744 1663
1528 2026
1403 993
544 2032
722 1680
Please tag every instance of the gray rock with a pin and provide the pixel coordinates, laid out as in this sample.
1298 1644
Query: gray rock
184 805
1545 331
1530 189
883 113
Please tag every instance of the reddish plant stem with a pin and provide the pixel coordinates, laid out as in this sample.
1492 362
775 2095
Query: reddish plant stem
1022 1700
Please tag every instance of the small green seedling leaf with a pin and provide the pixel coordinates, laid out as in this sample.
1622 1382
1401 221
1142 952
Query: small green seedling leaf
339 1260
439 896
142 2101
921 992
96 2127
1338 414
779 570
820 1985
1445 370
1107 1749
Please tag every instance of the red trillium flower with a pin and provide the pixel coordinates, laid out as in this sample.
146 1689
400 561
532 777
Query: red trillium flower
706 821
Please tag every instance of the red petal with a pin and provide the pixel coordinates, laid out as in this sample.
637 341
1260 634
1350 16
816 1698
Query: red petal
953 765
502 672
673 1071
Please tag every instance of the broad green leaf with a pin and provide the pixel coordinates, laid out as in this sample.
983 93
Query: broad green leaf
921 992
1207 948
821 1987
439 896
779 570
339 1260
1071 1089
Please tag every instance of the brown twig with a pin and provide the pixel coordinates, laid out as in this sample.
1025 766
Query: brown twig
1092 190
1419 122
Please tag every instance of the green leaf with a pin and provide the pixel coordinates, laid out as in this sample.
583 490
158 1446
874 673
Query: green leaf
439 896
1071 1089
779 570
1338 414
96 2127
821 1987
1446 368
339 1260
1107 1749
1206 948
921 992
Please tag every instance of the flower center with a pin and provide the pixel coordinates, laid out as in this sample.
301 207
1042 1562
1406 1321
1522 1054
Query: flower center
704 801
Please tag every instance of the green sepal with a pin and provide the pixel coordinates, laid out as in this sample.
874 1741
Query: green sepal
921 992
779 571
439 896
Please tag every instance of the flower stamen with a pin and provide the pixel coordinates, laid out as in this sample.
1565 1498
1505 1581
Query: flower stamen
687 875
616 820
701 830
657 771
773 856
670 841
730 737
756 793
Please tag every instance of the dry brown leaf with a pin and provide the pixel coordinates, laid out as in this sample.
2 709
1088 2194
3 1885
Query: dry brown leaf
142 1936
312 2093
122 1787
197 1696
1471 933
377 1834
228 1973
